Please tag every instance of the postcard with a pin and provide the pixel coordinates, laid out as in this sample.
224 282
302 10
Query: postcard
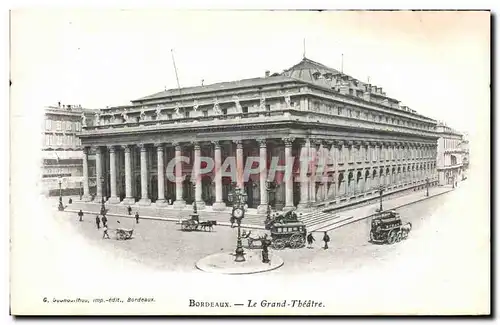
249 162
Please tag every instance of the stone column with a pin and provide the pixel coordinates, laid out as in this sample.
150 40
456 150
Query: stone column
304 182
218 205
239 163
98 175
86 190
112 173
160 150
200 204
145 200
288 173
128 177
262 208
313 156
179 201
332 192
325 154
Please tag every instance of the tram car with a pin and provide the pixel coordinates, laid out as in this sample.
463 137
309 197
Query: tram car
286 230
387 228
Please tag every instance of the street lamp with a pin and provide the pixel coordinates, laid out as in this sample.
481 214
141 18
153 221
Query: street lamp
103 208
60 189
427 185
195 208
269 188
381 190
238 197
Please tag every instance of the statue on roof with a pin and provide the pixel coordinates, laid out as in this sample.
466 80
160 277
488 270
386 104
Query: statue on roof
288 101
125 116
142 116
195 105
262 105
84 120
158 112
177 113
238 105
217 109
97 118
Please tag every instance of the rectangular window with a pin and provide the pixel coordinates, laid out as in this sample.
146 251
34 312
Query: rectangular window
169 116
69 126
224 111
244 110
186 114
205 113
268 108
58 125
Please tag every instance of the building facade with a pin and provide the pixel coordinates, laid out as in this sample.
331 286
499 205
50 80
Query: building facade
62 154
353 135
452 148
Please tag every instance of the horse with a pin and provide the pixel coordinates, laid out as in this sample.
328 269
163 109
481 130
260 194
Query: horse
208 224
405 230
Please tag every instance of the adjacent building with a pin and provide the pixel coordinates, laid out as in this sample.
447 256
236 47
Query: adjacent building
62 168
364 137
452 147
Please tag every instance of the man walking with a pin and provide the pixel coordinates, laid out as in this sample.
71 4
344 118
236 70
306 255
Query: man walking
105 232
104 221
326 239
80 214
137 217
310 240
98 221
129 209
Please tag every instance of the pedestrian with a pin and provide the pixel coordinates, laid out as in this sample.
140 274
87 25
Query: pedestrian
310 240
105 232
326 239
129 209
104 220
98 221
80 214
137 217
70 201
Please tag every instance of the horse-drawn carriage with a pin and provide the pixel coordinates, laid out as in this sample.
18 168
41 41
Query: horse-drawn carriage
388 228
122 233
194 224
286 230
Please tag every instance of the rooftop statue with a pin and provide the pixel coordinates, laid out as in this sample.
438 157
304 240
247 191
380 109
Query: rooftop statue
97 118
177 113
84 120
238 105
217 109
195 105
125 116
158 112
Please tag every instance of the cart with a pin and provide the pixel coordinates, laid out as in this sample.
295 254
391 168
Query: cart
388 228
123 234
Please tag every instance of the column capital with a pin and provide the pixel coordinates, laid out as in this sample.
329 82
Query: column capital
288 141
126 147
111 148
349 143
262 142
196 145
86 150
316 142
159 146
357 143
338 143
176 145
239 144
142 146
216 144
96 149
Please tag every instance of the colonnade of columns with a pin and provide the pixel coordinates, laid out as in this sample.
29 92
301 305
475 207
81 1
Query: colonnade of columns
345 168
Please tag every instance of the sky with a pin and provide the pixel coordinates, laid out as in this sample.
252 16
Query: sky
437 63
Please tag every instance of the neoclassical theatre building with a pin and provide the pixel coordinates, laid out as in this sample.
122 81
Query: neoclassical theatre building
363 136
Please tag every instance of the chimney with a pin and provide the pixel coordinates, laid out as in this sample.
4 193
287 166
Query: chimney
366 96
374 89
268 73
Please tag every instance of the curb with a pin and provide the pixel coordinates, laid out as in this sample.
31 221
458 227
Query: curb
393 208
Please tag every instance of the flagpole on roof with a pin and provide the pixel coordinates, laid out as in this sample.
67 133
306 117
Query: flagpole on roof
304 53
342 64
176 75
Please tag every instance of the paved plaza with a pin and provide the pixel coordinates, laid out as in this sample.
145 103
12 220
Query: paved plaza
162 245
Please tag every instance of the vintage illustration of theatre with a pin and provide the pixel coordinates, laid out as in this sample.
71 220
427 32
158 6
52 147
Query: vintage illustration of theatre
365 137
